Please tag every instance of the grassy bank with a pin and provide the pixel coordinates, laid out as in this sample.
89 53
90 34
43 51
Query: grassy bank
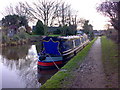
63 76
54 35
110 61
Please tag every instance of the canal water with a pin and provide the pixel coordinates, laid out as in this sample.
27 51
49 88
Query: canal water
19 67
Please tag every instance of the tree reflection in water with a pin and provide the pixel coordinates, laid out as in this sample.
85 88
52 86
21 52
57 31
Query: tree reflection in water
44 75
22 60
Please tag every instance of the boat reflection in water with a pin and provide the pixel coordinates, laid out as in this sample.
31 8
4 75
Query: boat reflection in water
19 67
44 75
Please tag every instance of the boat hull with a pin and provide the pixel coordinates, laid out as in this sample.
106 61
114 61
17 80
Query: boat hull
50 65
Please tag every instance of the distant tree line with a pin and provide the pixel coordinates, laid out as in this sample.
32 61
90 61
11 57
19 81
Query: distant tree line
48 14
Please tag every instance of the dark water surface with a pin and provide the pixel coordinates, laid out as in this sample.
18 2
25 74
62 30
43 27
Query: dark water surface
19 68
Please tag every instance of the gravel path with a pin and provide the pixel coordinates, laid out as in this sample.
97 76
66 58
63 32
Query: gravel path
90 74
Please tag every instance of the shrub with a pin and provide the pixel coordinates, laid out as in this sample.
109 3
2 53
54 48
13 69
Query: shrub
39 28
23 35
15 38
58 31
5 39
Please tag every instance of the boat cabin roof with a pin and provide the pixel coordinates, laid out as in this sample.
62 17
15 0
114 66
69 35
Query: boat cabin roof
62 38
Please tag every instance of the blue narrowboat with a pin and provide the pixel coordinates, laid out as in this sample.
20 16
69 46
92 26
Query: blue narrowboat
56 51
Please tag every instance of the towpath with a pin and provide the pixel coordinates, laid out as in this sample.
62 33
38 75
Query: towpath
91 74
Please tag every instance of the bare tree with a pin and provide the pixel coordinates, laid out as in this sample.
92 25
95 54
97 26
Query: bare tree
42 10
9 10
20 9
56 14
68 16
112 10
109 9
81 22
61 13
50 11
47 11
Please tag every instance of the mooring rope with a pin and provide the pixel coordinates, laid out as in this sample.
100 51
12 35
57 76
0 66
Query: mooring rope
53 61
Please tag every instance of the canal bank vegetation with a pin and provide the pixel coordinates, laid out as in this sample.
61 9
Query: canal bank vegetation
17 39
64 75
15 30
110 61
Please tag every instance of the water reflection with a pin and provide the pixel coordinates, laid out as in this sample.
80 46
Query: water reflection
44 75
15 53
20 62
19 67
38 47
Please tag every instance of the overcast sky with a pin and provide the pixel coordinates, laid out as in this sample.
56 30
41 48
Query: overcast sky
86 9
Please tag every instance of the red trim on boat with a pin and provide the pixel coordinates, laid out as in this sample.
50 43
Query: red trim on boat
49 63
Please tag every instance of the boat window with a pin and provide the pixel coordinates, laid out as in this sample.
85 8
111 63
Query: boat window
66 45
82 40
77 42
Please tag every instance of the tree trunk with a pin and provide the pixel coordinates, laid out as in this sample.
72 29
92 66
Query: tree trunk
63 16
119 39
119 22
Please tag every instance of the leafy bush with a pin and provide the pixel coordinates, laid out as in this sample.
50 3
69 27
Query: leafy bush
68 30
5 39
39 28
15 38
58 31
22 36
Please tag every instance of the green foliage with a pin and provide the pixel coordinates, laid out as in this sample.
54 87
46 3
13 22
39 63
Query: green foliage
88 29
58 31
54 35
59 79
109 53
55 81
68 30
65 30
110 57
45 30
40 28
5 39
9 20
15 38
23 35
23 21
14 20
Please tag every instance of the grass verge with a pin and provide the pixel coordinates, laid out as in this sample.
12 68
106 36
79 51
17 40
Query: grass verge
54 35
59 79
110 61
